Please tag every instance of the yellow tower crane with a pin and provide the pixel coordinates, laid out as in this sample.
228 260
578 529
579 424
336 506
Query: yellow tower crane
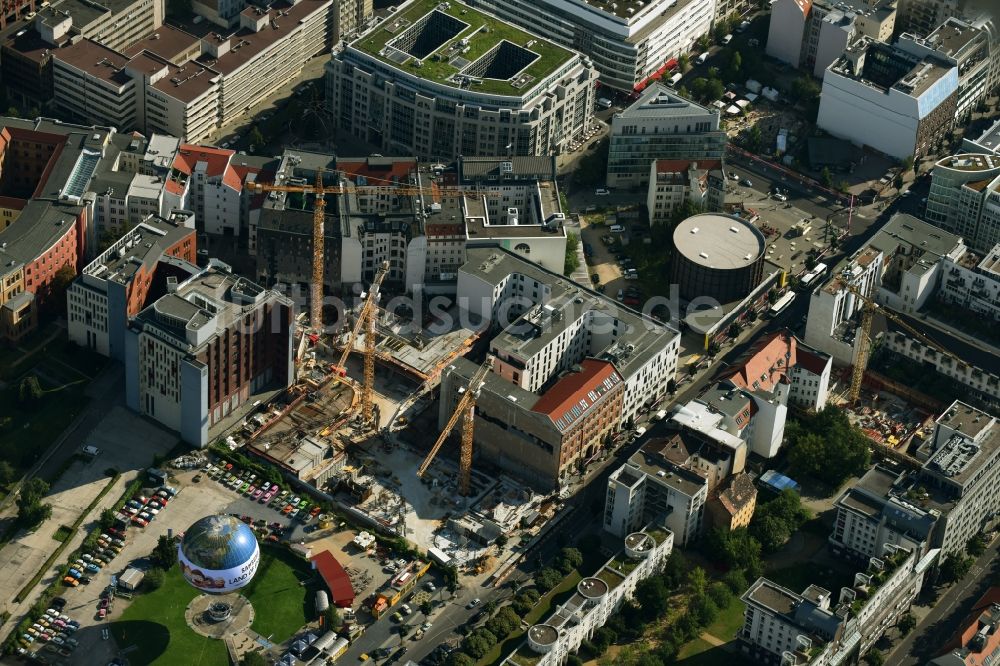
366 320
465 408
319 190
864 340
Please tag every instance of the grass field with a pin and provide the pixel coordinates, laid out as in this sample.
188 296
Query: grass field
62 533
154 623
282 594
723 628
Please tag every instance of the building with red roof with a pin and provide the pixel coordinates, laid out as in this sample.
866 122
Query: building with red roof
977 641
205 180
336 579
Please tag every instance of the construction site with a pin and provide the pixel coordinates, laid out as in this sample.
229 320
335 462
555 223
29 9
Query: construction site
360 426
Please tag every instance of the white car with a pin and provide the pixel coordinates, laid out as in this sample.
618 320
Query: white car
601 191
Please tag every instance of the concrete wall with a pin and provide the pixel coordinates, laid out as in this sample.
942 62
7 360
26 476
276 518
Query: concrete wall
786 31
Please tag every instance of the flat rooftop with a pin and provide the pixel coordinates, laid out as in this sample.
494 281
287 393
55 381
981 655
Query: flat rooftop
952 36
442 41
655 465
970 162
911 233
990 138
168 42
966 419
144 245
772 596
719 241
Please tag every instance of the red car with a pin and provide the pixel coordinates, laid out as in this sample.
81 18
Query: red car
141 522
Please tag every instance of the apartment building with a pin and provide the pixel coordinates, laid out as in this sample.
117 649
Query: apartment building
810 377
545 437
661 125
872 514
921 17
964 198
783 627
672 183
658 486
508 98
127 277
27 55
888 99
973 48
210 182
950 499
732 507
206 352
596 599
549 323
973 284
46 220
811 35
628 42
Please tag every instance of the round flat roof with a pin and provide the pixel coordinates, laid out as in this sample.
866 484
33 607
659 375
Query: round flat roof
719 241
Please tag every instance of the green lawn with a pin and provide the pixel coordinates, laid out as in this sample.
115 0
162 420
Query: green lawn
728 622
282 595
154 624
62 533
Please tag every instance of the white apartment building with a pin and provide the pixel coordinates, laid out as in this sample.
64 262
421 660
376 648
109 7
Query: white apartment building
597 597
973 47
205 180
652 489
202 355
513 99
118 283
964 198
883 97
550 323
873 513
225 75
628 41
114 24
782 627
661 125
811 35
810 376
674 182
973 284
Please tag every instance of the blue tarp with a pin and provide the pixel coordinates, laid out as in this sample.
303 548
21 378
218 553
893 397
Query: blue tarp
777 481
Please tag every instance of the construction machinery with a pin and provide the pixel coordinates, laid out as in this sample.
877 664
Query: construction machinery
465 408
319 190
366 320
864 340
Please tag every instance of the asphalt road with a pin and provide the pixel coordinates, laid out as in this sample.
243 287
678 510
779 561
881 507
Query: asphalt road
924 643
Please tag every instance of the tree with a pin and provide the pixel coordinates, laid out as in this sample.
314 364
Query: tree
735 329
153 580
771 532
874 658
107 519
755 139
698 87
13 112
734 548
772 296
720 595
652 596
7 473
683 62
62 279
332 617
253 659
503 623
684 92
547 578
703 610
501 542
714 90
906 163
697 580
525 600
569 559
257 139
30 510
675 570
955 567
478 643
826 446
30 391
572 258
603 638
735 63
826 178
906 623
671 386
805 88
735 581
976 546
426 607
704 42
164 555
457 658
573 660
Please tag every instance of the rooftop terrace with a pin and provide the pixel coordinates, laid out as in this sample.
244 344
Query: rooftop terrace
452 44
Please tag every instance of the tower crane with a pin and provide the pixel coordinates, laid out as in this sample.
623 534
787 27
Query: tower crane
465 408
319 190
366 320
864 340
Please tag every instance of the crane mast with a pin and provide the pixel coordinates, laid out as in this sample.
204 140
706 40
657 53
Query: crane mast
465 409
864 341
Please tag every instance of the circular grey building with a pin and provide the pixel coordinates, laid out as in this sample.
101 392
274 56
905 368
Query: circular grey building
717 256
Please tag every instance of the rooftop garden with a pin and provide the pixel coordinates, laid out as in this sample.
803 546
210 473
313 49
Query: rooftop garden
423 47
612 578
525 656
623 564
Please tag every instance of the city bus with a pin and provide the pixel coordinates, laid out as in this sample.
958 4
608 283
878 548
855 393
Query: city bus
781 304
813 277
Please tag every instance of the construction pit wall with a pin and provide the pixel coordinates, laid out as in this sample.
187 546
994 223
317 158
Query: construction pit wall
890 421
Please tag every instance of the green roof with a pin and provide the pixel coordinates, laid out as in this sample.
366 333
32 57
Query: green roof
436 65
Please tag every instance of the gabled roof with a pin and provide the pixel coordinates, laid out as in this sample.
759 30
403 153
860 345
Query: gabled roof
740 493
218 162
766 363
576 393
